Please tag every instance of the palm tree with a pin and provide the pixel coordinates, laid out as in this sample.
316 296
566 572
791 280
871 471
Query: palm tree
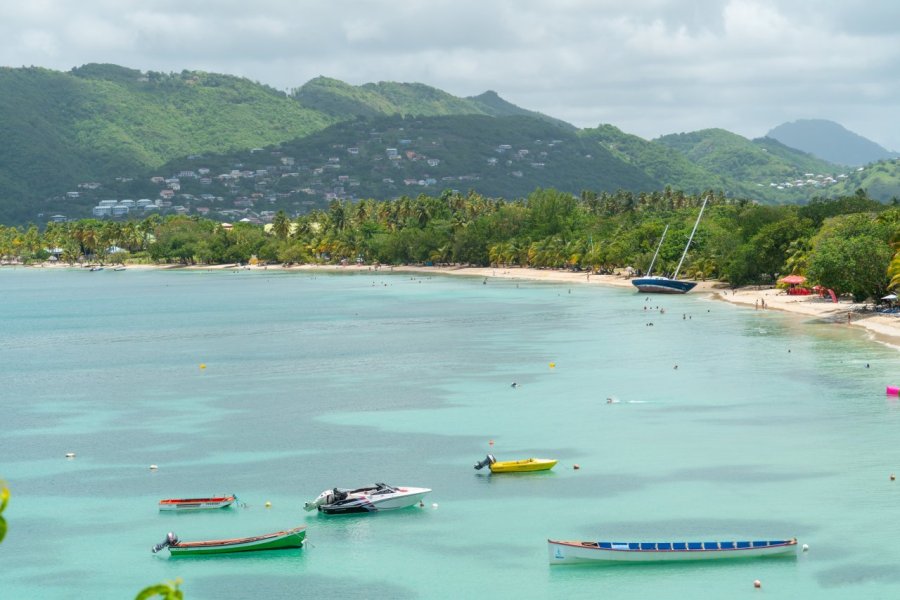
281 225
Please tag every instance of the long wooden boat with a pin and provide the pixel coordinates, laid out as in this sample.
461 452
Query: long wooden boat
569 552
516 466
292 538
197 503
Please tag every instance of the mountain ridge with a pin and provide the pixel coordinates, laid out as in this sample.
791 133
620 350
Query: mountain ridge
103 125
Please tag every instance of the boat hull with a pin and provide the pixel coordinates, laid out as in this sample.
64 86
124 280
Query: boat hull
574 552
523 466
662 285
365 503
189 504
292 538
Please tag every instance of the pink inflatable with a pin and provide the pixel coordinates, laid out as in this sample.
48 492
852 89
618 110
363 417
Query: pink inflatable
893 391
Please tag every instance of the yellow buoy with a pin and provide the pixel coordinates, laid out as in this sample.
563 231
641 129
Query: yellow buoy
552 365
268 504
202 365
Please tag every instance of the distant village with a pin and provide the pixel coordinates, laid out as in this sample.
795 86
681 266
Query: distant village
255 195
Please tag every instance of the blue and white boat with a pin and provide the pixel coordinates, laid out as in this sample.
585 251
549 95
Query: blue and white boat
571 552
657 284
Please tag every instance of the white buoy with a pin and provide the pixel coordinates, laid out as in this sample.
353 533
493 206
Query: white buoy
757 584
805 547
434 505
153 467
70 455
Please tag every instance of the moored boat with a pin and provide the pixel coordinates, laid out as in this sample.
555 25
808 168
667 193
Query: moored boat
186 504
516 466
291 538
657 284
374 498
570 552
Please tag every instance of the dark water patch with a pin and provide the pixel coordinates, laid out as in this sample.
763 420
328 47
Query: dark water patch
852 574
302 585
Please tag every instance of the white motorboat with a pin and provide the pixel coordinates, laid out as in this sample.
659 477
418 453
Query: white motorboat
374 498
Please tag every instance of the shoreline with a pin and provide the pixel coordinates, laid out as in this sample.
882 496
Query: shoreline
881 327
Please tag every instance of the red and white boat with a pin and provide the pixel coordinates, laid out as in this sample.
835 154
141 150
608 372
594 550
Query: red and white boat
197 503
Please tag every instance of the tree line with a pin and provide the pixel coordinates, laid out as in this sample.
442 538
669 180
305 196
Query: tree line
848 244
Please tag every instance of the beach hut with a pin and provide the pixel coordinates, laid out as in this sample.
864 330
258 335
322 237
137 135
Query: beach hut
795 285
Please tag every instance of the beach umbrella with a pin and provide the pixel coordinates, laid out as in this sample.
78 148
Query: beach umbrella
793 279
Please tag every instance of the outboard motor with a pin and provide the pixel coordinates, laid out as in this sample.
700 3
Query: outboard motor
488 460
171 540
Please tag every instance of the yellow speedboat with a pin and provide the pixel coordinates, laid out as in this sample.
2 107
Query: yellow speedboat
516 466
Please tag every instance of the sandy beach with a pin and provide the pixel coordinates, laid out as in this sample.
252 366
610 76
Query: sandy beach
884 328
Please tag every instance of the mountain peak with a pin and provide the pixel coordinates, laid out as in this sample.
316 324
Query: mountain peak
830 141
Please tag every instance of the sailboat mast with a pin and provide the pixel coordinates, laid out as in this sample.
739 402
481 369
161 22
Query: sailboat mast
655 254
693 231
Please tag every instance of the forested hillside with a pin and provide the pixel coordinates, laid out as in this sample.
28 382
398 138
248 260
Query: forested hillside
217 145
100 122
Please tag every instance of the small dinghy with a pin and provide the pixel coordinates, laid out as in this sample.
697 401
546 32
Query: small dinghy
292 538
516 466
565 552
374 498
186 504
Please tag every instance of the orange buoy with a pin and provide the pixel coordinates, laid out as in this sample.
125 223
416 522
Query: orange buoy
490 442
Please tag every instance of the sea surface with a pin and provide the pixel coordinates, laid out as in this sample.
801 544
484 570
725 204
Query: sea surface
276 385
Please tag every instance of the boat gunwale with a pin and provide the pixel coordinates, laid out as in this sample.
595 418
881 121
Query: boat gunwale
237 541
586 545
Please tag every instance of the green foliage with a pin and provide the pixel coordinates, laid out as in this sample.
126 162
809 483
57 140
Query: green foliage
749 166
851 254
4 499
167 591
667 166
103 121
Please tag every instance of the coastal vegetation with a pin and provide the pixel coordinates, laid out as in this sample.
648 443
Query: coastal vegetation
843 244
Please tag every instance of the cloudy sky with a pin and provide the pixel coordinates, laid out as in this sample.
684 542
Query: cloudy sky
650 67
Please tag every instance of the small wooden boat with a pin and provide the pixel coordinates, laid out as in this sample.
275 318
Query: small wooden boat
197 503
292 538
568 552
516 466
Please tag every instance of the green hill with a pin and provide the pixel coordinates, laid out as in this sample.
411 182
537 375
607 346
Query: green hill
665 165
343 100
830 141
245 148
492 104
762 169
389 157
100 122
881 180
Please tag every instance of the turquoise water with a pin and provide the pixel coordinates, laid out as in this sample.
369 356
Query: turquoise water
771 426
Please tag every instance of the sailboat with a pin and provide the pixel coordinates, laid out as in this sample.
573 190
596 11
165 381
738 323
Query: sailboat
657 284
